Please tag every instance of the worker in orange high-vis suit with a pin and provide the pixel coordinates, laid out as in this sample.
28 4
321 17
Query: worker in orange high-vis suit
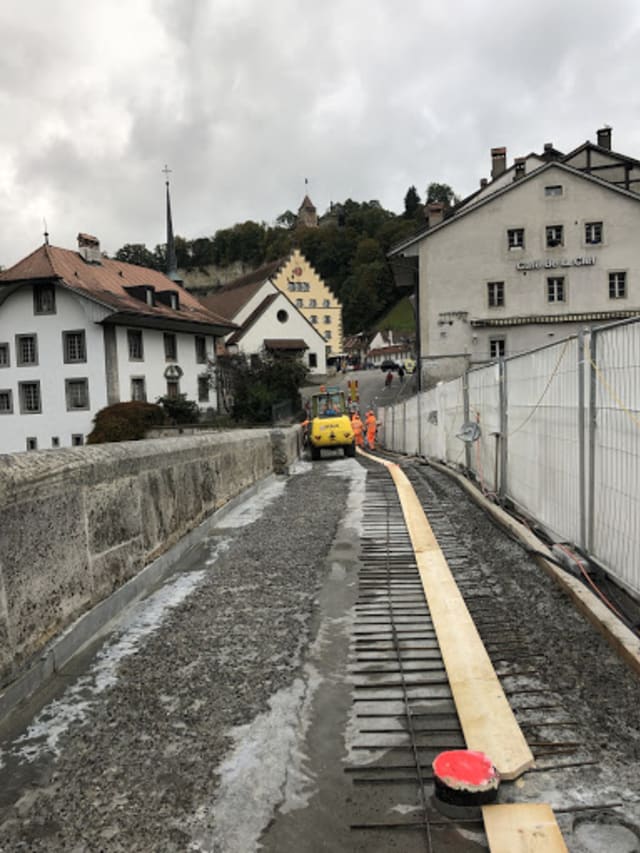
358 429
371 426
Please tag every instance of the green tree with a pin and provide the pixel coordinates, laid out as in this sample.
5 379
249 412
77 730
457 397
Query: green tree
287 219
412 205
137 253
442 193
179 410
257 384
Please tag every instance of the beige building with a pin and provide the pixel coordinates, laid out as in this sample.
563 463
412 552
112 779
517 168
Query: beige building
545 248
306 289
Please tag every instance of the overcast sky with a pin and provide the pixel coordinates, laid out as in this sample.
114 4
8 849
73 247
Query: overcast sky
244 99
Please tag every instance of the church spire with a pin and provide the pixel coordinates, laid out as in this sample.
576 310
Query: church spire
172 264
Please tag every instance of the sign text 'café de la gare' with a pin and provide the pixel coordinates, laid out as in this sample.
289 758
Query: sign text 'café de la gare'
555 263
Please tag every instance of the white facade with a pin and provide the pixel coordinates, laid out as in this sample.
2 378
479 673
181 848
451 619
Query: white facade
156 369
79 332
278 319
55 424
494 281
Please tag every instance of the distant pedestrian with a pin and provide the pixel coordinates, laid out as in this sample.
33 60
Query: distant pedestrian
401 374
389 379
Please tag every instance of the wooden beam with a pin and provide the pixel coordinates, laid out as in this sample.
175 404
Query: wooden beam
487 721
522 828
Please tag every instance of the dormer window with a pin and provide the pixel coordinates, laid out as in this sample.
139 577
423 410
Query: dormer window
168 297
44 299
143 292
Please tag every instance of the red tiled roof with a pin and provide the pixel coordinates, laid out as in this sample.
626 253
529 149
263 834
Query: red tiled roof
106 283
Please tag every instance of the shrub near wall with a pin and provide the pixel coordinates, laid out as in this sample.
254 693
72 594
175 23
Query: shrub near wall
76 524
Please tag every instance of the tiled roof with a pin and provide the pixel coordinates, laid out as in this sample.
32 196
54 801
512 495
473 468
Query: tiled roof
231 297
106 283
251 319
285 343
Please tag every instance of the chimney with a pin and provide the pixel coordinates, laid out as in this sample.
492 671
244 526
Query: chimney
435 213
89 248
604 137
483 183
498 162
520 164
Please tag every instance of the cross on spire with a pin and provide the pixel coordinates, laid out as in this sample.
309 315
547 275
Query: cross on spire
166 172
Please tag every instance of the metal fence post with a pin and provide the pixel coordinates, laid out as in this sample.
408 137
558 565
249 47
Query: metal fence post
593 415
581 441
466 416
504 427
404 427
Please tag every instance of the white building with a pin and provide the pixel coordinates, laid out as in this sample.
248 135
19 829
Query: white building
545 248
79 332
267 319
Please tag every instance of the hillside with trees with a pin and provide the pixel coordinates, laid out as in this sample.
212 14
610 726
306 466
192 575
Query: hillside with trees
348 249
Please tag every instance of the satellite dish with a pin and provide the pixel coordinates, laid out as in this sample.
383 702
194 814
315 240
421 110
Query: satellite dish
469 432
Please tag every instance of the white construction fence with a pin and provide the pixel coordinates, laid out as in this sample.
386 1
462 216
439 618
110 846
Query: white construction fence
554 431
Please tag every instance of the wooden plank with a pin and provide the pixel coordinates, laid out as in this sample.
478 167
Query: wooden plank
487 721
522 828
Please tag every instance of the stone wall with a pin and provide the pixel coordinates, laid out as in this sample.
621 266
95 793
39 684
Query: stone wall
76 524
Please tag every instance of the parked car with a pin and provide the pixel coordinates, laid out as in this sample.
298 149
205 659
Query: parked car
389 364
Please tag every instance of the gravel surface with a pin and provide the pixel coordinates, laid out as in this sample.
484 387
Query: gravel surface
574 668
134 773
206 682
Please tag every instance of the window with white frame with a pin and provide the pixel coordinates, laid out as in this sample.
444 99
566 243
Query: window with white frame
32 443
6 401
138 389
44 299
29 397
314 319
299 303
593 233
617 285
313 303
327 319
497 347
326 303
136 350
170 347
327 336
77 439
77 394
313 359
74 346
555 289
55 441
26 350
495 294
515 238
554 235
553 190
5 356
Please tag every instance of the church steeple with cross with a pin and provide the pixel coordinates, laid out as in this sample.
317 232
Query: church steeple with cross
171 261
